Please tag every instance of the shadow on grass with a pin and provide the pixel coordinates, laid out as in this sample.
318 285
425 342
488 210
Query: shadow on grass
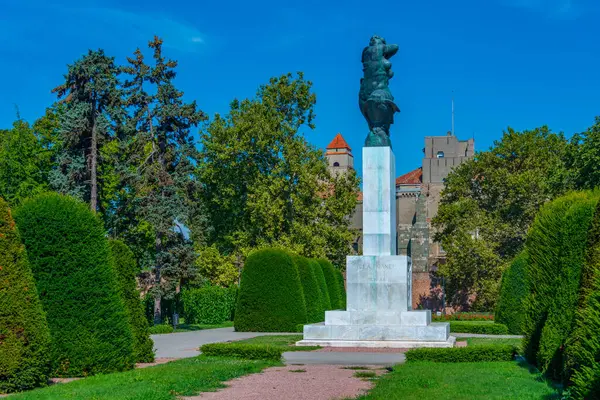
556 386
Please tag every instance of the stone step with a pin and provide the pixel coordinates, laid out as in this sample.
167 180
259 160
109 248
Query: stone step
439 332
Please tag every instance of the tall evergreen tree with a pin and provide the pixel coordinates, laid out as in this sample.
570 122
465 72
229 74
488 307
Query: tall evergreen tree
160 169
92 101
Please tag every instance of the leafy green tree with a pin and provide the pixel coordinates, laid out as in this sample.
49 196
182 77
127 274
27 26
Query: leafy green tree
586 156
489 203
218 269
159 172
24 334
92 102
263 184
23 166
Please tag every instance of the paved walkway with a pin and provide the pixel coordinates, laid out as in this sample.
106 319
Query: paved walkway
342 358
186 344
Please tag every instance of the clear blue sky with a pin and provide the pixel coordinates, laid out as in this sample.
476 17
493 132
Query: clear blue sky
519 63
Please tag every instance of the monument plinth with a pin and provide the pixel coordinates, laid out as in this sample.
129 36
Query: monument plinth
379 298
379 283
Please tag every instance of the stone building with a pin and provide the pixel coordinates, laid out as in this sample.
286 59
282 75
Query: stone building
417 198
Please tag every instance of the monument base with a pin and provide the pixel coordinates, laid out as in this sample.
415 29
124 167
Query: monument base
393 344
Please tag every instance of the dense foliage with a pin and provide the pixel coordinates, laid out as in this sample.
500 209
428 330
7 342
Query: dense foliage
24 334
582 349
464 316
265 185
70 260
342 288
243 350
322 283
315 312
478 327
270 297
556 250
209 305
487 206
463 354
333 284
514 289
126 269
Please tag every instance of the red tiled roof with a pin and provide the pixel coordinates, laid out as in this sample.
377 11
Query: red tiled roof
359 197
338 142
414 177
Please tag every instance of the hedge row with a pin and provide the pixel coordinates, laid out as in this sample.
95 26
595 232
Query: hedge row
514 290
485 328
126 270
71 263
556 252
243 350
463 354
280 291
24 334
464 316
209 305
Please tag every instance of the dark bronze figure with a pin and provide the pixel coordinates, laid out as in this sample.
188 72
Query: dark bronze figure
375 99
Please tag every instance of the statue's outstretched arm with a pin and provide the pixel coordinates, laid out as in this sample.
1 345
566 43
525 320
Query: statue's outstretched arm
390 50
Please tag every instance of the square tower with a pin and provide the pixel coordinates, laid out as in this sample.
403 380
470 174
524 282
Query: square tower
339 155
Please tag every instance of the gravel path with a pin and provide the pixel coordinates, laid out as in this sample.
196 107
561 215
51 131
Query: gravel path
309 382
343 358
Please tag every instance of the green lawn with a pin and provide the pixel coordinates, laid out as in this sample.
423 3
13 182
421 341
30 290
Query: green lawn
199 327
461 381
287 341
185 377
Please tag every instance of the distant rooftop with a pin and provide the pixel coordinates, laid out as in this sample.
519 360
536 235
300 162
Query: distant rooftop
338 142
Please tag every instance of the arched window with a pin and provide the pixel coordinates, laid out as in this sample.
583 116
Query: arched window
440 154
336 164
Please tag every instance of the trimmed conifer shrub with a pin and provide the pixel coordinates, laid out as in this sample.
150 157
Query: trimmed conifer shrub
70 260
582 350
24 334
342 286
322 284
333 286
270 297
312 295
126 270
514 288
561 312
543 246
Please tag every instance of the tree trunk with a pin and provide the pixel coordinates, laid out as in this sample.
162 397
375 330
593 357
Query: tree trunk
94 164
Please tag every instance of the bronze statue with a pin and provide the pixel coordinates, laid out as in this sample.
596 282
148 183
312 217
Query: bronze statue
375 99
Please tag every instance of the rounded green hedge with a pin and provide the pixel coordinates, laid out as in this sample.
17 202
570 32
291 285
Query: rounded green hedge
126 269
582 350
209 305
318 270
514 289
333 286
556 248
315 312
24 334
70 259
270 297
342 286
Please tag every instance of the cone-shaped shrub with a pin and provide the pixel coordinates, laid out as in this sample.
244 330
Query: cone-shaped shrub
560 322
322 284
24 334
582 351
312 294
70 260
333 286
270 297
514 288
555 277
126 269
342 286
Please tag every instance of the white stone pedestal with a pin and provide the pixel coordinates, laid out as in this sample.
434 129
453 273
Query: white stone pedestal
379 290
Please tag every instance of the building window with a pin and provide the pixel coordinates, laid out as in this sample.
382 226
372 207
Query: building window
440 154
336 164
